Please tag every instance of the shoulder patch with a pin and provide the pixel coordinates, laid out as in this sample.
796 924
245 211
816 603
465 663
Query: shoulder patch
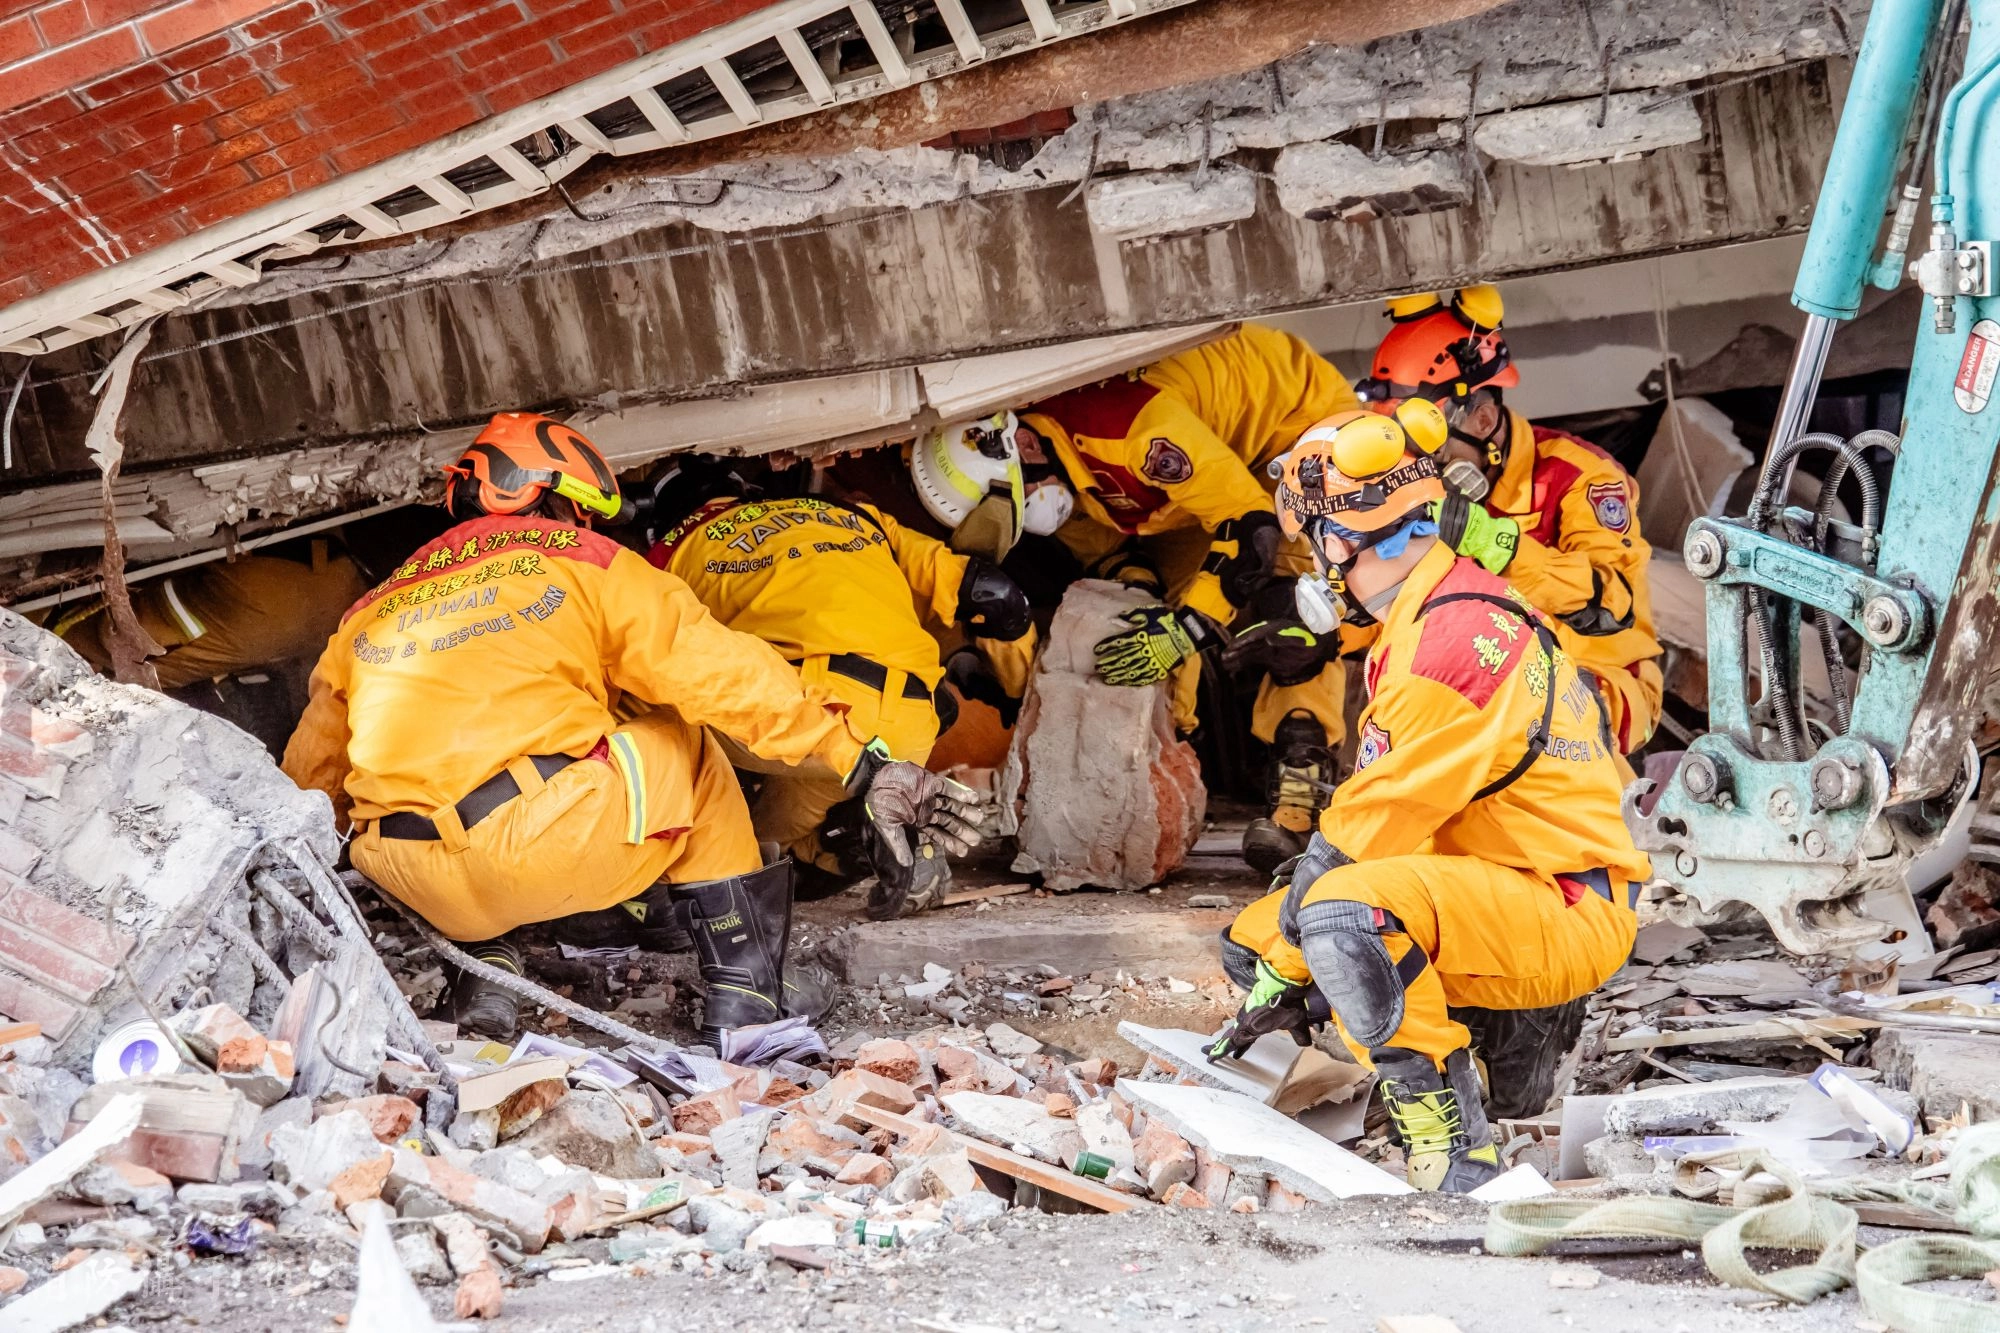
1373 744
1166 462
1471 646
1608 502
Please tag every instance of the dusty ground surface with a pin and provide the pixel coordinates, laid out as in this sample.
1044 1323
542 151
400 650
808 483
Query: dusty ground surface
1340 1267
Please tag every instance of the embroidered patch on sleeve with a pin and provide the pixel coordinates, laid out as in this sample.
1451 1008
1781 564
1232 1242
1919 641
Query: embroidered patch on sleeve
1373 745
1166 462
1608 502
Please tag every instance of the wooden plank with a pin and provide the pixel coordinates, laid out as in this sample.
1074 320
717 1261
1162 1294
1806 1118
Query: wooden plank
1775 1029
984 894
1904 1216
1051 1178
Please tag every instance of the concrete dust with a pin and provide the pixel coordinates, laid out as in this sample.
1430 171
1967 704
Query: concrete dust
1338 1266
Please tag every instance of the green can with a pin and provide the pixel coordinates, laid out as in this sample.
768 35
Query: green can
876 1235
1092 1164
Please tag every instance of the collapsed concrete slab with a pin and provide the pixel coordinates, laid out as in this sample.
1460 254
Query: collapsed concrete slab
1103 791
144 843
1944 1071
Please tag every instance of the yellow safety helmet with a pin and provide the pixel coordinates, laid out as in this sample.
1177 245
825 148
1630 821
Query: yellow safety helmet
1364 471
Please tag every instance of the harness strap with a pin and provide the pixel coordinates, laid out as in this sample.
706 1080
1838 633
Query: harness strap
1545 639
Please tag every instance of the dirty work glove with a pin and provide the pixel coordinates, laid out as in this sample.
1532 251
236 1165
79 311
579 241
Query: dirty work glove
970 675
1466 527
1273 1005
1286 650
1160 640
907 804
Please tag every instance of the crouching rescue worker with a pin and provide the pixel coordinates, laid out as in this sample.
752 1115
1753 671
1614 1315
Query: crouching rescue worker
843 592
466 718
1555 514
1475 865
1167 470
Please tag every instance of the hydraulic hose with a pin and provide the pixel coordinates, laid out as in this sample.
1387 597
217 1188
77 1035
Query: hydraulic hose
1864 476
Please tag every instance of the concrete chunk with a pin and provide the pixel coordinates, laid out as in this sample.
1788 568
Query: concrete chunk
1941 1071
1013 1122
587 1129
1107 794
1235 1131
1324 180
1700 1108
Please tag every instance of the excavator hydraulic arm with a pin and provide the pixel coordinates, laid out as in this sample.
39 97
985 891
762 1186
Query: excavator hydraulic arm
1805 821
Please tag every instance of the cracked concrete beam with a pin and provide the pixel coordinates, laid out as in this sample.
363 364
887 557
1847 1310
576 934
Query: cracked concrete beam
1162 203
1566 133
1317 181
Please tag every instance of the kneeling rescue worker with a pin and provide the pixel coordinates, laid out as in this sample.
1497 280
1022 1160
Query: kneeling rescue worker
1166 469
1555 514
514 722
1476 858
843 592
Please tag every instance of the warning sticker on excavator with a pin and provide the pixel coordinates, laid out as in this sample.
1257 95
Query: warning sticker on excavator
1978 367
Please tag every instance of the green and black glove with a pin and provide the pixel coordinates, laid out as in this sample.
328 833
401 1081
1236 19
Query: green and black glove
1466 527
1285 650
1273 1005
1160 640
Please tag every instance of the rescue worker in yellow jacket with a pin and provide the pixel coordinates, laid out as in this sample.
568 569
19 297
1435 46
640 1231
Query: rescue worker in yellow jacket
515 724
1557 515
229 616
1167 469
1475 863
843 592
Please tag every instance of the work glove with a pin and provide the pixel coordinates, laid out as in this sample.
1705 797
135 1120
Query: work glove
1159 640
1284 649
1466 527
973 678
1273 1005
907 804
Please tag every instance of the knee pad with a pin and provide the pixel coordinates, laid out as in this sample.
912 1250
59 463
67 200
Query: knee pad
1239 962
1352 968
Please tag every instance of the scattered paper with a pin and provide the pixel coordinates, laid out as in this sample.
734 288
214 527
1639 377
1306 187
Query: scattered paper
1239 1131
764 1043
77 1295
1523 1182
536 1046
484 1091
1859 1102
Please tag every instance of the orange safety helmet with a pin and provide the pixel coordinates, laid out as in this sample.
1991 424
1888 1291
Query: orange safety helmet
519 459
1362 471
1441 350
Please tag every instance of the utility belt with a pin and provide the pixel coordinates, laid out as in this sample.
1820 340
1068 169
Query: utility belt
480 802
874 675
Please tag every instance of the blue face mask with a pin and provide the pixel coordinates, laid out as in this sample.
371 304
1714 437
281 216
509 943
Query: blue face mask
1391 546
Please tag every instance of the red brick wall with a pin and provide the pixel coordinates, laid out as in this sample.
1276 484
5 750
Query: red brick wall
130 123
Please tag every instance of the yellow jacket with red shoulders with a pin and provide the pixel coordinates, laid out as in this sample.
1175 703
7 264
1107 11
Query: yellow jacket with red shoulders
1583 560
814 578
1183 442
512 637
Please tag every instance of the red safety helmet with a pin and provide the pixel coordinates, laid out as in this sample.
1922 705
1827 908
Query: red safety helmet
1440 350
519 459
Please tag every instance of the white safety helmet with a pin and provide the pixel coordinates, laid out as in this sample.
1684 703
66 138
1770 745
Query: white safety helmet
968 475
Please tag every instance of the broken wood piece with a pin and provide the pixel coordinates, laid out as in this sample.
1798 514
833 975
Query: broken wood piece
1905 1217
1771 1029
1051 1178
984 893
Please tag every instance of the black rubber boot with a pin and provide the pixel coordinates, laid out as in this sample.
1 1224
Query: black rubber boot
645 921
483 1007
1302 779
739 925
905 890
1447 1143
1523 1051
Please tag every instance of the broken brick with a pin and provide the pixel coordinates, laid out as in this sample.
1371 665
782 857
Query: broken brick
259 1069
478 1295
1060 1105
389 1117
701 1114
1163 1159
859 1087
1967 910
801 1137
12 1280
894 1060
363 1180
866 1169
1184 1195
